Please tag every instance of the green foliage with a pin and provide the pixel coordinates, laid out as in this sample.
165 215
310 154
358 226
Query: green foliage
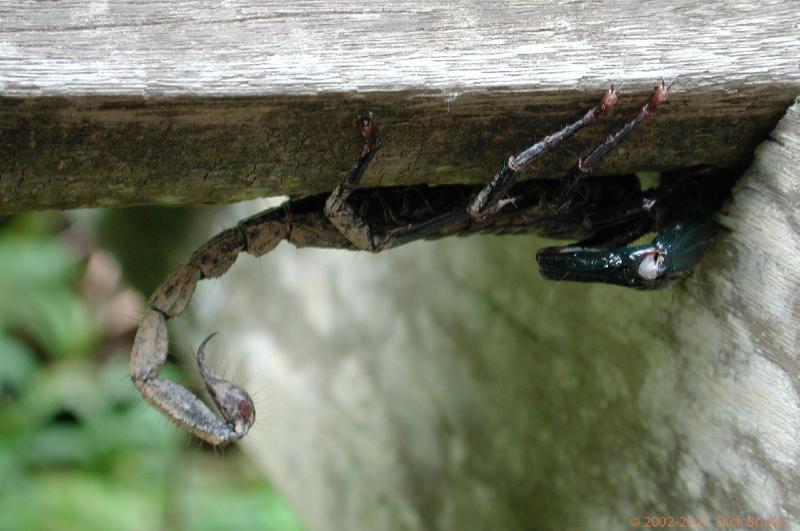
79 449
36 273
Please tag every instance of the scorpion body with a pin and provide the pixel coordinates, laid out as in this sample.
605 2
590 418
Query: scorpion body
604 214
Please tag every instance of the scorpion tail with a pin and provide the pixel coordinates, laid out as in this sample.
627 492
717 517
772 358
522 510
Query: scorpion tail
257 236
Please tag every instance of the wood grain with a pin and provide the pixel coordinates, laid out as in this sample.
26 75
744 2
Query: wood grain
120 103
133 47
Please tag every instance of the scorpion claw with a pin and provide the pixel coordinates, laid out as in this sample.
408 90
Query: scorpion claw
670 256
233 402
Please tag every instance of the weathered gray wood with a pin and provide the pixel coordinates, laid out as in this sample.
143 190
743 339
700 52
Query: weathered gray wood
119 103
246 48
443 385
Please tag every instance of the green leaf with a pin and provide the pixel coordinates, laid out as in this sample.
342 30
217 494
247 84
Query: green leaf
27 261
19 363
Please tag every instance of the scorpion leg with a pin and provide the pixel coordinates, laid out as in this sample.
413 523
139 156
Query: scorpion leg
489 199
676 249
564 193
340 212
257 236
355 228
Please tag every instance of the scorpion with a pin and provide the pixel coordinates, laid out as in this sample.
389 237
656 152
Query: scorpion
604 214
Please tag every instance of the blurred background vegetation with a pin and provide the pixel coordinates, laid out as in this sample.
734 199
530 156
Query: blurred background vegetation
79 449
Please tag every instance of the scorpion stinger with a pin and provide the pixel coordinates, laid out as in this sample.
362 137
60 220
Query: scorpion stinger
602 213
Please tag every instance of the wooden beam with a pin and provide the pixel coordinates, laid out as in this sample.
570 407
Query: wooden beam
195 102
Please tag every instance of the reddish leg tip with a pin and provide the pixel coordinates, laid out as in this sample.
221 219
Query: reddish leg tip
610 98
660 94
